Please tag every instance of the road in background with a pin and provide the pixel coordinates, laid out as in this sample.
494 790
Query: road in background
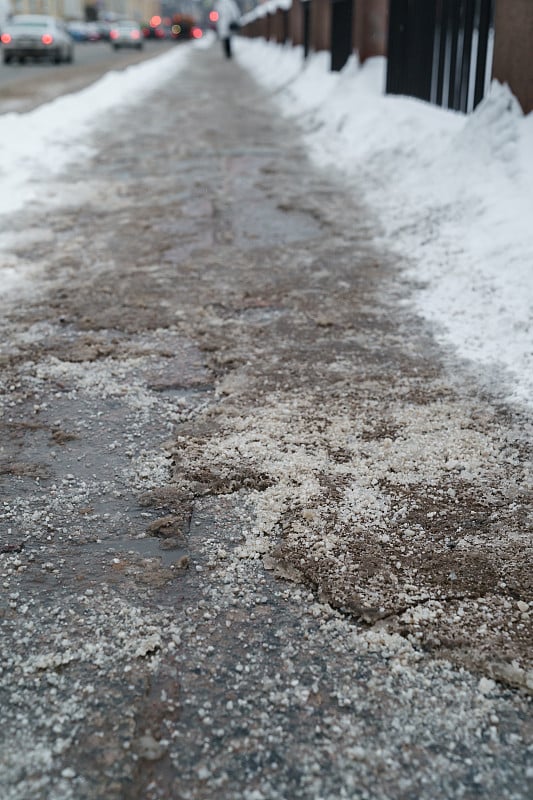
25 86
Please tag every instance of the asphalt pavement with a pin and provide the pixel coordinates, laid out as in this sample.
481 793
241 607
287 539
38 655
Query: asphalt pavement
261 537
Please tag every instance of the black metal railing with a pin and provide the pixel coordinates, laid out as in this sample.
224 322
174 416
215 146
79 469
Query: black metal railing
341 33
439 50
306 25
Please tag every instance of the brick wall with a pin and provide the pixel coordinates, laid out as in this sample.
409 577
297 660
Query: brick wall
513 48
370 28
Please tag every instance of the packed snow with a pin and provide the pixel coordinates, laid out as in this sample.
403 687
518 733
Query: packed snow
453 193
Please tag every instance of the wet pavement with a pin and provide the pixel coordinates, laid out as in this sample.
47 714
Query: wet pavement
260 537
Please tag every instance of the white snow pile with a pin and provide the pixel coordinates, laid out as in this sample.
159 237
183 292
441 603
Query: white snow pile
44 141
40 144
453 193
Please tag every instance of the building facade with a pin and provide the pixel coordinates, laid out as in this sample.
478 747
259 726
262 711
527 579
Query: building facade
141 10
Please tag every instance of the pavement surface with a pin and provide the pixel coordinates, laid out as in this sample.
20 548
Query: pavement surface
260 537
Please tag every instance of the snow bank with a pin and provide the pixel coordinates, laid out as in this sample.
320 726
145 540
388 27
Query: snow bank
46 140
454 194
43 142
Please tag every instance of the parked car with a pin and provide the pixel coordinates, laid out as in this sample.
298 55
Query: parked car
77 30
93 32
104 29
185 27
126 33
36 36
155 32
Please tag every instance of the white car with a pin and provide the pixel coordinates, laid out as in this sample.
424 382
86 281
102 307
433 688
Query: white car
36 36
126 33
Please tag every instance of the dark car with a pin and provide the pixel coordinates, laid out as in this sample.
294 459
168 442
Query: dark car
155 32
185 27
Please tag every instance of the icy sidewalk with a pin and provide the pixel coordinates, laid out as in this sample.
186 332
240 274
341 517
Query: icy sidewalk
260 537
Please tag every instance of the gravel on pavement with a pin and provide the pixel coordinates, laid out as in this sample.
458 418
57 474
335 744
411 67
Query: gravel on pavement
260 536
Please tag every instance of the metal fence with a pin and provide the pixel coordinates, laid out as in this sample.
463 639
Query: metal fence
341 32
440 50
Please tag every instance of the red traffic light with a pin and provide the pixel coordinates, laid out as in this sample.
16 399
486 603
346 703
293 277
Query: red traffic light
213 16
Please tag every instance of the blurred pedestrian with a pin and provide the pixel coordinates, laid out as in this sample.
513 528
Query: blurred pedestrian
227 22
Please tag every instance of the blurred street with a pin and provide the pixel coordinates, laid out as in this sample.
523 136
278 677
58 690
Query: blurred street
26 86
260 536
